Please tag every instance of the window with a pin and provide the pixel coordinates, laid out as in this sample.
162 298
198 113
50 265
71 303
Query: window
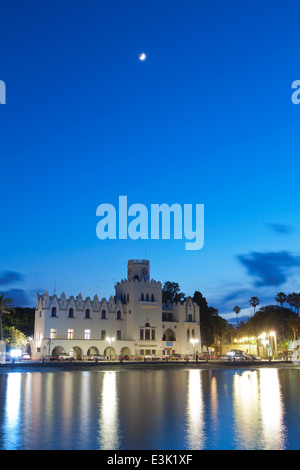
70 333
87 334
119 315
119 333
153 334
188 336
147 297
53 312
190 317
147 334
71 312
103 334
152 298
103 314
87 313
142 297
127 298
141 334
52 333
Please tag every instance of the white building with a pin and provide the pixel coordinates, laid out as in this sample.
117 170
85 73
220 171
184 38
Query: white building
135 317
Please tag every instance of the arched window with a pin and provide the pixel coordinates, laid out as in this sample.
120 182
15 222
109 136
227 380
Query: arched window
71 312
127 298
142 297
103 314
147 297
193 334
190 317
147 325
188 335
119 315
152 298
136 277
87 313
53 312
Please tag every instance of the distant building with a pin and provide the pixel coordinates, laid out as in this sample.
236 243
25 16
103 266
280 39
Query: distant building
135 317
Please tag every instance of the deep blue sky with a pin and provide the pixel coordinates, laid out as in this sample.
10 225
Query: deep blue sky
207 118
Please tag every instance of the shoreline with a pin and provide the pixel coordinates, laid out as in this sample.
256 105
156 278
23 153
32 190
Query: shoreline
159 365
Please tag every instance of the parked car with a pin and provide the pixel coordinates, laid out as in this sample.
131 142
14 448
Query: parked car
124 358
175 357
238 355
57 357
255 358
152 358
25 357
97 357
63 356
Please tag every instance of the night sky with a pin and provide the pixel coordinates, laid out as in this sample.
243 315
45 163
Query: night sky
207 119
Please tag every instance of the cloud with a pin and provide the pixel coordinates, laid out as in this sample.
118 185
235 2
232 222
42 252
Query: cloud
271 268
10 277
283 229
19 297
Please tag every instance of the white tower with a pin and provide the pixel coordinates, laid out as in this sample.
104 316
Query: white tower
138 270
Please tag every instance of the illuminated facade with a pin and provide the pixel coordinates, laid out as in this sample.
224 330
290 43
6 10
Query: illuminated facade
135 317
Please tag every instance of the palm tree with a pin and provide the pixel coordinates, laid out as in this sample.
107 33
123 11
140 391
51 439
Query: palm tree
281 299
294 324
296 302
5 308
237 310
291 300
254 301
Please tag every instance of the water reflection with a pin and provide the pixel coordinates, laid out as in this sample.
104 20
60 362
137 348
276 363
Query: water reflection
12 412
108 421
150 409
258 410
271 407
195 411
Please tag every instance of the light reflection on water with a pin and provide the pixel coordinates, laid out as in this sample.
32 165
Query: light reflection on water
151 409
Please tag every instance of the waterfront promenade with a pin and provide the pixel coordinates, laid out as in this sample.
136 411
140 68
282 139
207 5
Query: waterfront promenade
37 366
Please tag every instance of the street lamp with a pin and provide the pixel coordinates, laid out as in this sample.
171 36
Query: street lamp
110 340
194 341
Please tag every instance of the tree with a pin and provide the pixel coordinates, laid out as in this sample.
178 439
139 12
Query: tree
14 338
254 301
5 309
206 318
219 326
237 310
171 293
290 300
281 299
293 322
296 302
22 319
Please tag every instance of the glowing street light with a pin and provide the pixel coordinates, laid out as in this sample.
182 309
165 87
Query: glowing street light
110 340
194 341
